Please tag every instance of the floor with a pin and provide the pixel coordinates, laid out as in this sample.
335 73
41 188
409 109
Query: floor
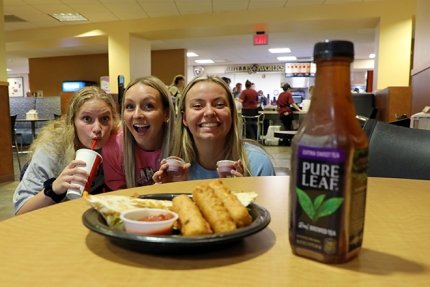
280 157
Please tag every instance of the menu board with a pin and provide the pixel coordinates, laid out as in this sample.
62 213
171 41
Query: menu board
300 69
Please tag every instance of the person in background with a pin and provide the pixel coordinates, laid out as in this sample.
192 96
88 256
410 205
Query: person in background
249 100
147 120
237 90
91 115
175 89
226 80
262 100
284 106
207 131
310 91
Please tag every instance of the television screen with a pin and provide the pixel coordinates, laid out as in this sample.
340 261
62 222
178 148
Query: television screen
74 86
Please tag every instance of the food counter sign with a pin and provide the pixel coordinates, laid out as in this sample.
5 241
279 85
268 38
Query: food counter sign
254 68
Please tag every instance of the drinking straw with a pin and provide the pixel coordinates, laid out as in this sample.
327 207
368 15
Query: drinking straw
93 144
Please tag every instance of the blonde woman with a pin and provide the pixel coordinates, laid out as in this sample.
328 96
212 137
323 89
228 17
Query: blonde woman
207 130
147 116
91 115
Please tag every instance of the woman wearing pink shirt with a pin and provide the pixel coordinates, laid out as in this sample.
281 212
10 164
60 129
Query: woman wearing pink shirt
147 115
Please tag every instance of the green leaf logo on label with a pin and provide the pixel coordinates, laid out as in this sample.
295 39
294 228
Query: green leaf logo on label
319 208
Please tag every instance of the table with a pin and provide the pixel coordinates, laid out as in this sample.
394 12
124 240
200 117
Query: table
51 247
285 136
33 124
271 117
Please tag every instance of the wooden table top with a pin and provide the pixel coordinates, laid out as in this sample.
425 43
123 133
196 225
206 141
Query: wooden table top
51 246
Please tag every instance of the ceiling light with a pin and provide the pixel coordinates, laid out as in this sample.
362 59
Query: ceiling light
191 54
205 61
287 58
68 17
371 56
8 70
279 50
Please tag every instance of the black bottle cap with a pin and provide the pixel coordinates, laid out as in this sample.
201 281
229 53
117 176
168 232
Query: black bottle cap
338 48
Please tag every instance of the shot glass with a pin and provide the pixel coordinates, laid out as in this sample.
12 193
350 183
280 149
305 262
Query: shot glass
225 167
175 168
92 159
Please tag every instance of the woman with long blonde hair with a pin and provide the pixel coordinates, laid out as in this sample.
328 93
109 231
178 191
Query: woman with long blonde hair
91 115
147 115
207 130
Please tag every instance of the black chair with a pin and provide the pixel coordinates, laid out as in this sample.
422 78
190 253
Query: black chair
404 122
397 152
364 104
13 137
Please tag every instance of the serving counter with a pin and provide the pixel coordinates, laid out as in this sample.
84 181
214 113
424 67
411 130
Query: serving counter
51 246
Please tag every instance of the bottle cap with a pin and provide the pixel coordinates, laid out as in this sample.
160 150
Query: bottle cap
338 48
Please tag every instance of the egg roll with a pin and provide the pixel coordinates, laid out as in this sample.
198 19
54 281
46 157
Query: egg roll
238 212
190 217
213 209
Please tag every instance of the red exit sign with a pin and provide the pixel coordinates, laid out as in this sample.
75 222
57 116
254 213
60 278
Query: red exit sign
261 39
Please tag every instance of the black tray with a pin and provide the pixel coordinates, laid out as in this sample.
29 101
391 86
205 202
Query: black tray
93 220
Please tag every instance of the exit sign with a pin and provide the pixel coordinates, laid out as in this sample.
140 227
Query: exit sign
261 39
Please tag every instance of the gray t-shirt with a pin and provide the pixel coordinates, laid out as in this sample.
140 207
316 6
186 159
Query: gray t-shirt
42 167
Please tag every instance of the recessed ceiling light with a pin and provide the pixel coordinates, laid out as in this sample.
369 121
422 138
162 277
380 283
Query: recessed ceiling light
279 50
287 58
204 61
371 56
68 17
191 54
8 70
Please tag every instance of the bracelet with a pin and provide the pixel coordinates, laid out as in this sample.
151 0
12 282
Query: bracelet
47 190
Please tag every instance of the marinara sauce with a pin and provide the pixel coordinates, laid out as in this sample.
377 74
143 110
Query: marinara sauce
329 165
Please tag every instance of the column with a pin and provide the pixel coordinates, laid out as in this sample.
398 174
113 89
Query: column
6 166
119 57
140 54
394 44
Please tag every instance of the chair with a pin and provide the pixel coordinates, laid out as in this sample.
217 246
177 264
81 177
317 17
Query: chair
269 138
364 105
252 120
397 152
13 137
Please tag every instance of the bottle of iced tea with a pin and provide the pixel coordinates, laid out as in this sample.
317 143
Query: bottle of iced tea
329 165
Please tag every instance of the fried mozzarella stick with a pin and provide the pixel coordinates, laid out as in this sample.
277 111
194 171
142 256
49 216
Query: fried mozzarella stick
192 221
238 212
213 209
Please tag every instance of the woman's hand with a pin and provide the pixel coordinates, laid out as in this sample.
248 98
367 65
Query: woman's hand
163 176
238 169
73 172
235 170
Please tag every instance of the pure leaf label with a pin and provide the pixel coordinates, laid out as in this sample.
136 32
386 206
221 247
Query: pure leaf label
329 206
306 203
319 207
318 201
